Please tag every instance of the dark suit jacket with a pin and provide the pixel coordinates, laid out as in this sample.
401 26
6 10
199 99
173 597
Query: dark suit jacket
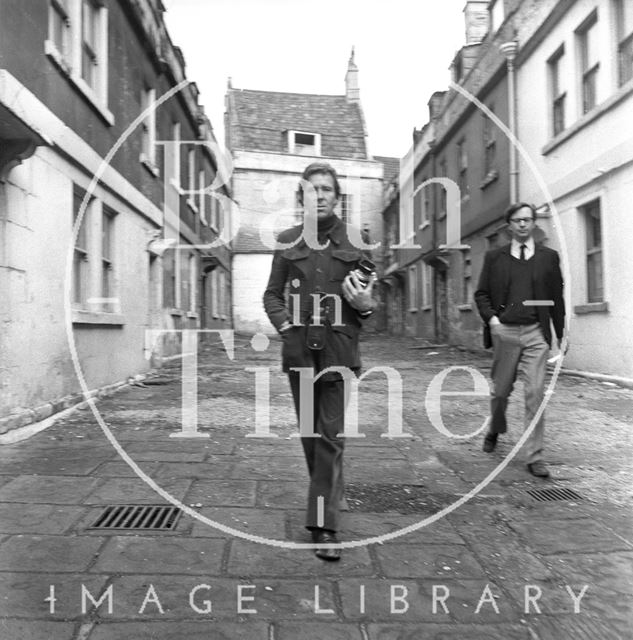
293 280
494 284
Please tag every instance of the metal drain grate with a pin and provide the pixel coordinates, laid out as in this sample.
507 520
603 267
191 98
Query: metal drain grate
144 517
557 493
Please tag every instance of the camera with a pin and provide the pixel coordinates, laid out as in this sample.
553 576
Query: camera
365 271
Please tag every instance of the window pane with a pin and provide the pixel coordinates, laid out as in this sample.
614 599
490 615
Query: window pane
595 291
346 207
595 278
625 59
589 84
592 46
89 30
59 27
80 255
558 115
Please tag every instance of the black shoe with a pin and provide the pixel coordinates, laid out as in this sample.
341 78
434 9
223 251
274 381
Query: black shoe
538 469
490 442
323 536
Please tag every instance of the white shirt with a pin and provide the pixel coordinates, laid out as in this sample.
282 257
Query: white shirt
515 249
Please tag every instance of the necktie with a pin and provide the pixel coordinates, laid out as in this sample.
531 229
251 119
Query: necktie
522 254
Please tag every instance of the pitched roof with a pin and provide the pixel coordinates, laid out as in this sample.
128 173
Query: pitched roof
260 120
391 167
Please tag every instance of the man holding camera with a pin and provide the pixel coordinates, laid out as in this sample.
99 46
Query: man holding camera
320 322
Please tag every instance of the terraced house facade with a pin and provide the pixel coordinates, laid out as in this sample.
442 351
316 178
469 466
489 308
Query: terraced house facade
539 111
106 234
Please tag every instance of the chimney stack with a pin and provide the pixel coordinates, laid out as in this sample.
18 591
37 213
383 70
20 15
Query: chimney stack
476 20
352 91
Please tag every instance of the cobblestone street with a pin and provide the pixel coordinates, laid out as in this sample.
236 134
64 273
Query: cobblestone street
503 565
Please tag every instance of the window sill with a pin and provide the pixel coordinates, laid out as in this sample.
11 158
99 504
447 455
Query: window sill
176 312
591 307
79 316
414 310
427 307
192 314
79 83
598 111
464 307
424 225
149 165
490 177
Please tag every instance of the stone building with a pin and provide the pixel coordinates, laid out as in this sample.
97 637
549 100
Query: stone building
273 136
557 77
578 135
104 235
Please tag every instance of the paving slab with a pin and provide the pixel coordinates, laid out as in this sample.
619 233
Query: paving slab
217 492
282 494
194 470
380 471
47 489
434 561
613 571
580 536
259 560
48 553
472 601
448 632
357 526
81 465
143 554
506 561
135 491
121 469
371 599
144 597
156 455
176 630
42 518
36 630
261 522
317 631
178 446
279 447
270 468
22 595
576 628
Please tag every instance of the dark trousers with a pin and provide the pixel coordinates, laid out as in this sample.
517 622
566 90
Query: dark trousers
324 454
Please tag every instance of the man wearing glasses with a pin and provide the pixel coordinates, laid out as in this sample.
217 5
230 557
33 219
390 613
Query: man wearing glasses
520 291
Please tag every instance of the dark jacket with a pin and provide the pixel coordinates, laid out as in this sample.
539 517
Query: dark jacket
494 284
296 274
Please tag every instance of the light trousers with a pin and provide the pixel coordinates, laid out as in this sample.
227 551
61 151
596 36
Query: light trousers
519 350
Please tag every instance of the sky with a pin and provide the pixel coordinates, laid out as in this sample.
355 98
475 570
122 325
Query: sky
403 49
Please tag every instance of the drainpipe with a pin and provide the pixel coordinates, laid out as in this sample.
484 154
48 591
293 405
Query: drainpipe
509 50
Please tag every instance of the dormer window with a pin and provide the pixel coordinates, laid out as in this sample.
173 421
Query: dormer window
302 143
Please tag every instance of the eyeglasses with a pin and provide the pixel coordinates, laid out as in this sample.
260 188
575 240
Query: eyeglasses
520 220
